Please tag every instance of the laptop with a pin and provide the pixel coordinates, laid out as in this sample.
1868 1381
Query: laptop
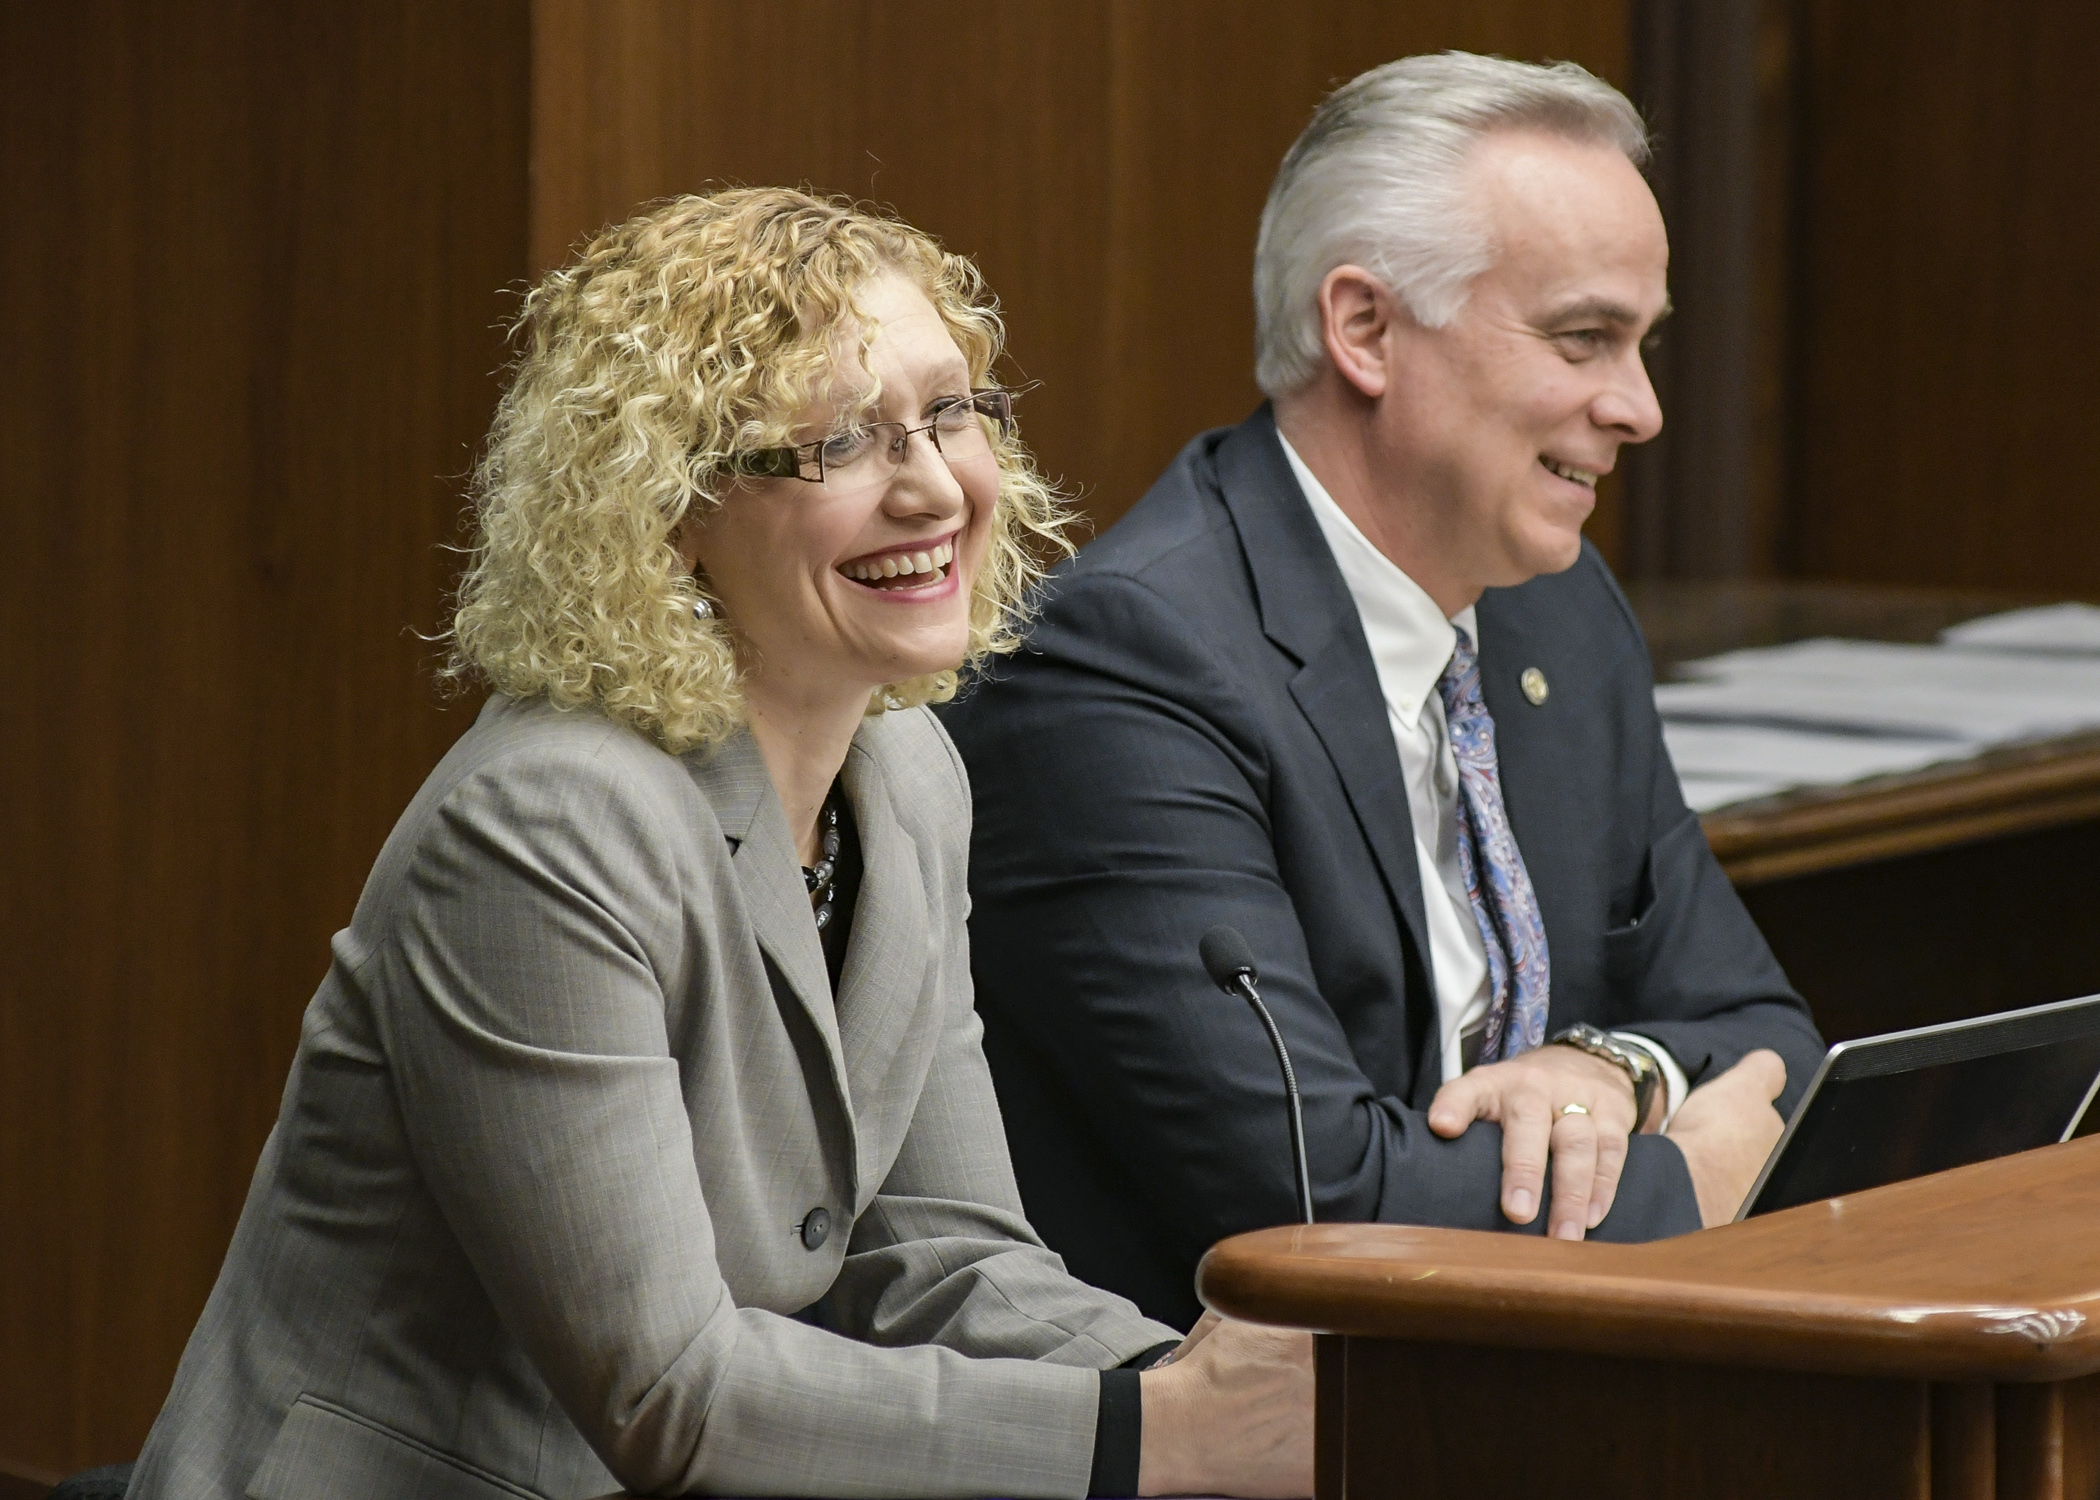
1886 1108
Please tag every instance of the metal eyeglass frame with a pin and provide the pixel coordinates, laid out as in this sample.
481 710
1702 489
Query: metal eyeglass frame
788 462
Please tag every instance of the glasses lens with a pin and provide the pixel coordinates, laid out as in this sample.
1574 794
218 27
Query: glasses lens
842 450
960 430
847 459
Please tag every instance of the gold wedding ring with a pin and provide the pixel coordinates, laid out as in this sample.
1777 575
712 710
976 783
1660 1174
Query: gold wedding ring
1573 1109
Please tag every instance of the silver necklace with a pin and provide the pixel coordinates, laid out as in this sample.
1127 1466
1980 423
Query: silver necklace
822 877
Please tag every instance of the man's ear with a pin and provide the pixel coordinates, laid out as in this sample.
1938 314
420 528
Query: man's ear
1356 317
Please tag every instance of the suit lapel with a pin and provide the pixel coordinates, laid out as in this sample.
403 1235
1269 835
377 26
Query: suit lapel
1306 610
882 981
733 779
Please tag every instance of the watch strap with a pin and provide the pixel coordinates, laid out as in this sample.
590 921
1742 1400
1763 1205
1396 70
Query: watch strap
1642 1071
1648 1084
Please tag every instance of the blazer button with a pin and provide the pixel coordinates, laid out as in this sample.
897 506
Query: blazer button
816 1228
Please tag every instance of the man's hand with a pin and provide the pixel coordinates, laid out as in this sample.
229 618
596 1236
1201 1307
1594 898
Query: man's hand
1230 1412
1726 1128
1525 1096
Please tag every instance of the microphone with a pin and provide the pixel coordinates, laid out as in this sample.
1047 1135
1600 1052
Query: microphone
1230 963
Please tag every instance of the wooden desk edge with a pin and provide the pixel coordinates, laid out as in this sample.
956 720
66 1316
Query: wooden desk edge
2010 791
1637 1318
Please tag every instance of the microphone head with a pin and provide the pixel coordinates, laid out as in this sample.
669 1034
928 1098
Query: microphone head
1226 957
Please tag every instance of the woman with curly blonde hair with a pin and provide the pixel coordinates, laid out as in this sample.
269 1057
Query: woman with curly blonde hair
640 1134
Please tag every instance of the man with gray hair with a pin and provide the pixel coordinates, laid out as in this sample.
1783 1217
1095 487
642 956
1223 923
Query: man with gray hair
1350 680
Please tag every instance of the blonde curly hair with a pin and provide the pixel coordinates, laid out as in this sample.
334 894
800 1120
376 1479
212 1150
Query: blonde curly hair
694 331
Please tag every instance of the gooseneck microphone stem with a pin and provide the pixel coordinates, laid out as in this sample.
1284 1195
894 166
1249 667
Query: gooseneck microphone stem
1230 963
1290 1090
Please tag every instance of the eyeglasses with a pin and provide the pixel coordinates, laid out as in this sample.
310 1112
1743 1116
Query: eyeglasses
869 451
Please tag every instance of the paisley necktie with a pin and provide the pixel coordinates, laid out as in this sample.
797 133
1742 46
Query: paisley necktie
1505 906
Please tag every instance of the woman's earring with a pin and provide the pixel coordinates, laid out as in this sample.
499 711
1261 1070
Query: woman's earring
703 609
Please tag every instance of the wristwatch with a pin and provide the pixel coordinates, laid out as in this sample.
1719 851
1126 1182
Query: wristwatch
1639 1063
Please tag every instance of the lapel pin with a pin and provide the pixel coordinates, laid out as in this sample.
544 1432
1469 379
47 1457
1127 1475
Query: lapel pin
1533 682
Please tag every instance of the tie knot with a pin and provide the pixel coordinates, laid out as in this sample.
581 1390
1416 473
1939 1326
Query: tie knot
1460 684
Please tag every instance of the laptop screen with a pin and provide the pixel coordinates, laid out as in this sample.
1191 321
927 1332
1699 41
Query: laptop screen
1891 1108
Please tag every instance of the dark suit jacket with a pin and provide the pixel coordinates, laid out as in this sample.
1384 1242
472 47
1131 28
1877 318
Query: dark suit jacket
1195 734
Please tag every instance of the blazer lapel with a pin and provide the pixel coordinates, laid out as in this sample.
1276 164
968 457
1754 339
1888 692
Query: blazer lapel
1306 610
883 979
733 778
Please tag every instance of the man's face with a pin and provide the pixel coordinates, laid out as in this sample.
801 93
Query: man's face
1497 426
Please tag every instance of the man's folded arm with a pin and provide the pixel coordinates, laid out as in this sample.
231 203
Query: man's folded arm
1096 873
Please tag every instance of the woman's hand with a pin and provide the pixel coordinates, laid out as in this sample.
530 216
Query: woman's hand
1205 1327
1230 1412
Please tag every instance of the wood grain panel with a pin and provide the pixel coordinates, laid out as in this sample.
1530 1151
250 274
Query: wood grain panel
1330 1417
251 285
2048 1441
1436 1422
24 1482
1950 206
1104 162
1964 1441
1938 937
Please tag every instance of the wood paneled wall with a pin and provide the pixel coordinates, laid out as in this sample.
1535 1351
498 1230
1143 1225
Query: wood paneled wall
251 283
1105 161
1947 236
1715 83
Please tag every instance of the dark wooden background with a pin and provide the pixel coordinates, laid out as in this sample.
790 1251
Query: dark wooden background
254 261
1946 374
255 265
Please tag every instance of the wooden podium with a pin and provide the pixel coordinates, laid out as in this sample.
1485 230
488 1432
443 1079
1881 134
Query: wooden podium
1936 1340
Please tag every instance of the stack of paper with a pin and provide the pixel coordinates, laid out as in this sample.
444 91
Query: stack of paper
1825 712
1723 763
2055 629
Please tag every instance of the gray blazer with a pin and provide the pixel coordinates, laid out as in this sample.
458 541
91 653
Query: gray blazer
529 1222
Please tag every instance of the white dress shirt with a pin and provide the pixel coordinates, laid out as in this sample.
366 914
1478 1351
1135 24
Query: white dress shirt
1411 643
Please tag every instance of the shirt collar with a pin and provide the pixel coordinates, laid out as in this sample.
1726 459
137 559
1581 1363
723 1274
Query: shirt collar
1410 640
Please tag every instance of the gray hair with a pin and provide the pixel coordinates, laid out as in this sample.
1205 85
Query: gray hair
1378 180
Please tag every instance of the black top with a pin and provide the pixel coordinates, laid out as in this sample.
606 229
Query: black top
845 886
1195 734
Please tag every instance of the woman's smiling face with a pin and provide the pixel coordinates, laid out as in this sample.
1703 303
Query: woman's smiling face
865 578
